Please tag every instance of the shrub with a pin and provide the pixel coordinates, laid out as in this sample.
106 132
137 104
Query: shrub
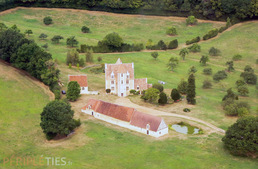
82 62
151 95
162 98
248 75
161 45
158 86
73 91
237 57
182 87
230 95
206 84
207 71
154 55
237 109
132 91
72 57
98 70
222 29
212 33
214 52
194 40
186 110
171 31
241 138
173 44
220 75
204 59
71 41
83 48
240 83
183 52
45 46
228 23
191 90
43 36
113 40
56 38
243 90
137 93
57 94
85 29
47 20
195 48
99 59
191 20
89 57
108 90
175 95
230 66
192 70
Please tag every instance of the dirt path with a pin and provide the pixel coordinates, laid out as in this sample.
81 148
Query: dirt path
9 72
127 102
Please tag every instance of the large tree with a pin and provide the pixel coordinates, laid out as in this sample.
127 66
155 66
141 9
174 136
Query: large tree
175 95
172 63
241 138
71 41
183 53
73 92
191 90
113 40
151 95
56 38
57 118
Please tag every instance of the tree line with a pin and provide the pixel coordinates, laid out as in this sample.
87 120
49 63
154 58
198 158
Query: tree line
209 9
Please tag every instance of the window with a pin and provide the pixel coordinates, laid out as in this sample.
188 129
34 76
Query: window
82 88
138 88
112 88
112 76
127 88
122 81
127 76
112 82
122 75
127 81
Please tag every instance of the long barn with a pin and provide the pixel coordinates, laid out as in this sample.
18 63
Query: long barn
126 117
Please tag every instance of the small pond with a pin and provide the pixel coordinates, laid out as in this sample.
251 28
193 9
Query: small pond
185 128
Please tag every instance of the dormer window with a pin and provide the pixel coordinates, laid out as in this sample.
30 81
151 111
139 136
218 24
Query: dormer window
89 107
148 126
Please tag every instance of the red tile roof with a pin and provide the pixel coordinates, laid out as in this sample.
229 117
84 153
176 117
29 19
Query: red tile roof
141 120
142 83
127 114
81 79
112 110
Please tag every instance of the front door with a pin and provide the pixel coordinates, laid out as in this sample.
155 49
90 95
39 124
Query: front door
122 94
92 113
147 132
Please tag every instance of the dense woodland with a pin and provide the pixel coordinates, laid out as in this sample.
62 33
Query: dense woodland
208 9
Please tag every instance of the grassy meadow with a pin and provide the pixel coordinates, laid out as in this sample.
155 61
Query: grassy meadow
97 146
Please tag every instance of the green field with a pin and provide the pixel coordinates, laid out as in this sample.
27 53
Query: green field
97 146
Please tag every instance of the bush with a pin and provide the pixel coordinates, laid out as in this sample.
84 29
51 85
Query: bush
56 38
171 31
186 110
108 90
154 55
237 109
194 40
212 33
207 71
151 95
173 44
248 75
71 41
175 95
214 52
81 62
132 91
222 29
162 98
47 20
240 83
204 59
57 94
220 75
182 87
83 48
89 57
85 29
243 90
237 57
230 95
241 138
98 70
192 70
195 48
191 20
206 84
45 46
161 45
158 86
43 36
99 59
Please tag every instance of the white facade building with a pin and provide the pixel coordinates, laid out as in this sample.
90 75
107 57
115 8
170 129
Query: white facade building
126 117
82 81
